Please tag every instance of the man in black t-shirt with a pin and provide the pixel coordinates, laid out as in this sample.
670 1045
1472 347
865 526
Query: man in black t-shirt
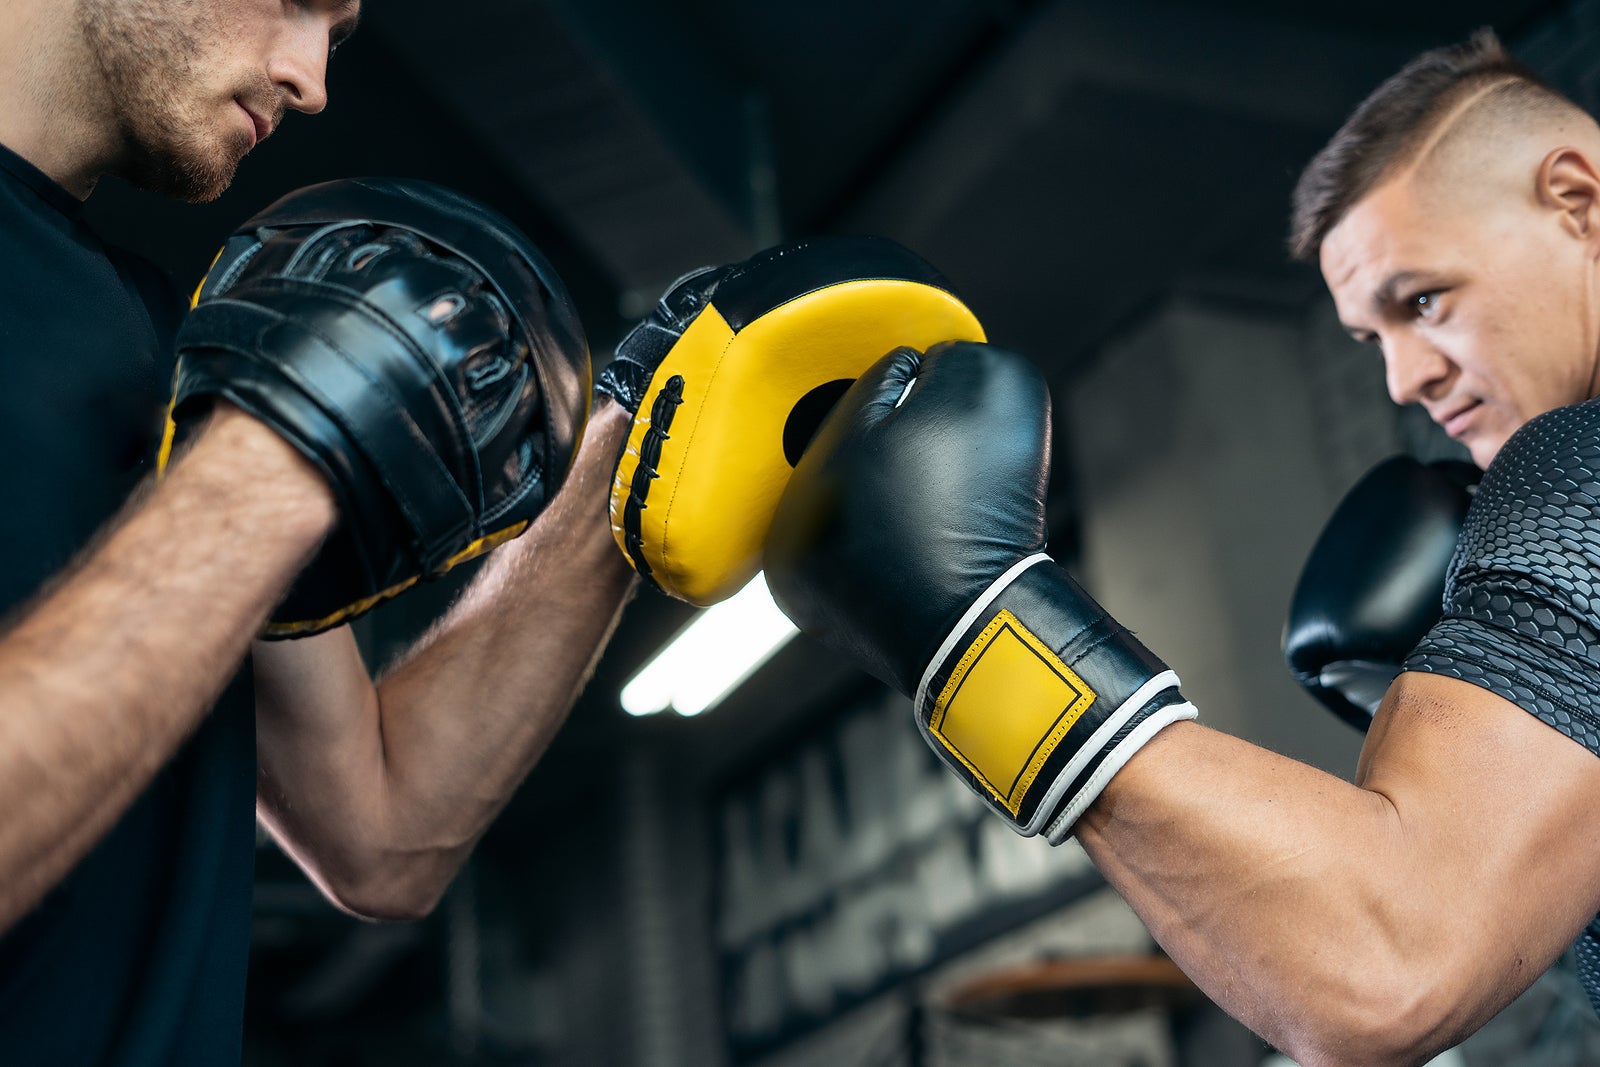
126 841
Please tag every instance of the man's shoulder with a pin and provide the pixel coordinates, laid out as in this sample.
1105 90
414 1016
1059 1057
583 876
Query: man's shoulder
1554 454
1520 618
1574 423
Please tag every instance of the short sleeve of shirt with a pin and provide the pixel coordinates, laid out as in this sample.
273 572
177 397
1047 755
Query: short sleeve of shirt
1522 599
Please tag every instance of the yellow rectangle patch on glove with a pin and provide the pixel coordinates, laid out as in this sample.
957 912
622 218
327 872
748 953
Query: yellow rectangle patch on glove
1006 706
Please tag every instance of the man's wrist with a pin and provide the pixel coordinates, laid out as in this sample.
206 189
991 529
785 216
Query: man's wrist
254 460
603 437
609 419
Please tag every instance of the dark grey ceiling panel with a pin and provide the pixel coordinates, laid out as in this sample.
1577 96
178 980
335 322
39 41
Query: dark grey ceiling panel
569 125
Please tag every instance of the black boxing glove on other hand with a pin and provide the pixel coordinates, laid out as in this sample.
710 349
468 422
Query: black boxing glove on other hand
911 539
1374 582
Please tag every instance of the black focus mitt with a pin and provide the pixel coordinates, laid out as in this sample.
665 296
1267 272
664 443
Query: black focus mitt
1374 582
418 349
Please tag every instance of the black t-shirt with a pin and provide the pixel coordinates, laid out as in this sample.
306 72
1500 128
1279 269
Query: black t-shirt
1522 600
139 956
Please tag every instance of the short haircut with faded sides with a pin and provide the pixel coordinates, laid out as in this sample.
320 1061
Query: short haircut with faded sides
1391 126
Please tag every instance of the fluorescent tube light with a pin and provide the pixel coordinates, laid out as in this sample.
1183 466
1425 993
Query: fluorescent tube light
723 646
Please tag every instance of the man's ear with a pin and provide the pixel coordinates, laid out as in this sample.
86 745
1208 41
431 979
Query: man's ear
1568 183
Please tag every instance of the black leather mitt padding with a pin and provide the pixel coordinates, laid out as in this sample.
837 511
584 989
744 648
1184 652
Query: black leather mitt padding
417 348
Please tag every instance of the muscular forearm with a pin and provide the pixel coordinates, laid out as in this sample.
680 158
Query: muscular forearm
1250 870
381 794
101 679
1351 924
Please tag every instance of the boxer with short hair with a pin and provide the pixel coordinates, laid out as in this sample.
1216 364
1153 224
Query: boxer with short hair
381 379
1456 219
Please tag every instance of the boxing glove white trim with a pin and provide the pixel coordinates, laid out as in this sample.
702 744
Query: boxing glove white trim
1093 747
979 606
1061 827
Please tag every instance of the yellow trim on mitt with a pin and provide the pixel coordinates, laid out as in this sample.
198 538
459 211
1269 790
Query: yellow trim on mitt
169 434
721 468
306 627
194 300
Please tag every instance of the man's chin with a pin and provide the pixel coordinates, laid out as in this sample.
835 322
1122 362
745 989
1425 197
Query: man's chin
200 184
203 192
193 176
1484 449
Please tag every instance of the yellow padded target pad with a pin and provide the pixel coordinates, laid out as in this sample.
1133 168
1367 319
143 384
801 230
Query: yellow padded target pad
713 423
1008 703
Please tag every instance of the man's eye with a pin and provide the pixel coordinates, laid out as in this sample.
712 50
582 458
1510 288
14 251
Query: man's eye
1425 303
337 38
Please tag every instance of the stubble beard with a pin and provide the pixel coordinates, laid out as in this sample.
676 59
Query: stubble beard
147 54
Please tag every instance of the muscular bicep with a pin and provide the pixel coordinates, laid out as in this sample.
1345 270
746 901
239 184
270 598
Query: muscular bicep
1513 707
1496 816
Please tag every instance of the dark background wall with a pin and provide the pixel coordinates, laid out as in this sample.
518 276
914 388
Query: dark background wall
1106 183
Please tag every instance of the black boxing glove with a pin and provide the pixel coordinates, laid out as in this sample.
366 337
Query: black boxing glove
419 350
911 538
1374 582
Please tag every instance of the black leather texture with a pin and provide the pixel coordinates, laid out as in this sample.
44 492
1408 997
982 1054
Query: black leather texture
921 491
626 379
899 516
413 345
1374 582
1108 659
750 289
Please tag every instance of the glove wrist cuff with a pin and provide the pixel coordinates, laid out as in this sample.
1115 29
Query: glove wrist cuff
1139 723
1037 697
978 608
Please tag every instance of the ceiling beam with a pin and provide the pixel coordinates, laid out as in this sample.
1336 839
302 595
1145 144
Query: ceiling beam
1228 63
569 124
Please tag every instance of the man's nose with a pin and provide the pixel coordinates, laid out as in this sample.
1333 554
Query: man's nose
1414 370
299 68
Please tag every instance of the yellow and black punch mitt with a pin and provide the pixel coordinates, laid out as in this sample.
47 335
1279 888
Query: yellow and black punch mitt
729 378
416 347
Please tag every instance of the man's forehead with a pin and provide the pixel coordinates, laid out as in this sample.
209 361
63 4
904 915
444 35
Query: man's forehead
1388 242
1377 228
